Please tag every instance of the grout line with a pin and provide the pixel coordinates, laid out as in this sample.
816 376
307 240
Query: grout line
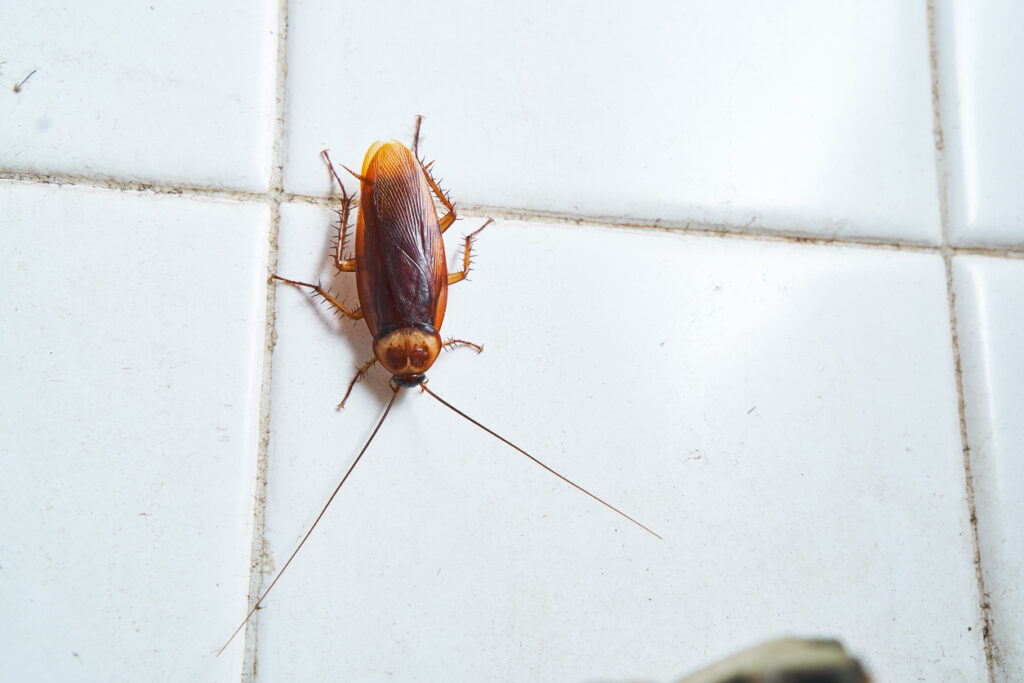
983 601
728 231
106 182
258 552
941 169
259 557
276 196
948 252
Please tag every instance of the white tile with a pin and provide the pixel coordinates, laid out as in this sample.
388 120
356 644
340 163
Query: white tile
981 52
132 350
785 416
795 116
172 92
991 318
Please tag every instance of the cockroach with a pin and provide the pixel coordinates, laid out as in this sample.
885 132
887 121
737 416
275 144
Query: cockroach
402 278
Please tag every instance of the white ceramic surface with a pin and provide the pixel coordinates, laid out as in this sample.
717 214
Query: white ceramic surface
175 93
785 414
991 342
801 117
758 405
132 347
981 67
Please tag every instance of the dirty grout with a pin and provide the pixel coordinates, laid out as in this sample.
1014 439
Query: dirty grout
948 252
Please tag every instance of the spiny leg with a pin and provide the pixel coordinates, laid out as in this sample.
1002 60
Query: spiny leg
453 343
343 264
467 255
359 375
357 314
446 220
449 218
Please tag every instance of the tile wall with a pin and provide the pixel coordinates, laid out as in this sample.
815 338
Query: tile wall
754 279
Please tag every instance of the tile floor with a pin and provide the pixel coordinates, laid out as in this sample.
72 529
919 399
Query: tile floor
753 278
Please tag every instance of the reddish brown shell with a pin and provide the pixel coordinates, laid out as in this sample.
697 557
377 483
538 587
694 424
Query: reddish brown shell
401 272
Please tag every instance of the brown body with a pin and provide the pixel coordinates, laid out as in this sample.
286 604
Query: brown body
401 273
402 277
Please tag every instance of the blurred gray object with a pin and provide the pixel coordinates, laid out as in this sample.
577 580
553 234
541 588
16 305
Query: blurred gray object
787 660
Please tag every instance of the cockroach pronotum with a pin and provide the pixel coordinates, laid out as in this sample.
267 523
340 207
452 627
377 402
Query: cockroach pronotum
402 278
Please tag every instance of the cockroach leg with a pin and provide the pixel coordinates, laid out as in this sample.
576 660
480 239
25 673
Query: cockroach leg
359 375
449 218
467 254
357 314
446 220
343 264
344 195
453 343
346 265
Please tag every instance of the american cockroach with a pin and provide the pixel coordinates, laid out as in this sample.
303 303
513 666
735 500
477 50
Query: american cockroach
402 279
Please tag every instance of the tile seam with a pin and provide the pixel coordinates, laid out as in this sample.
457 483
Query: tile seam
695 228
259 554
983 601
948 253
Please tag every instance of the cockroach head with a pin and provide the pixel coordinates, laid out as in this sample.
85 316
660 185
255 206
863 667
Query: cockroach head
407 353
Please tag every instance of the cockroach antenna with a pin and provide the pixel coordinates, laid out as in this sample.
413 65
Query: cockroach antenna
291 557
490 431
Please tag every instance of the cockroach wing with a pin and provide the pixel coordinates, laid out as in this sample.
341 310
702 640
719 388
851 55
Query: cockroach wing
410 242
401 236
